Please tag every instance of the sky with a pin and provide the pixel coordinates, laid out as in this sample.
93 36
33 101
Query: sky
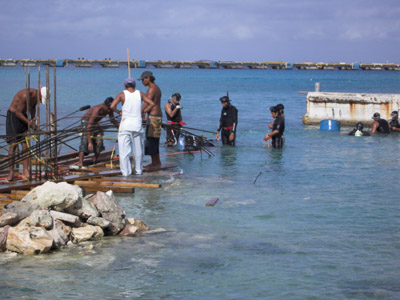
366 31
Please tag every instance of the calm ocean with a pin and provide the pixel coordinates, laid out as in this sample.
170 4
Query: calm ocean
322 220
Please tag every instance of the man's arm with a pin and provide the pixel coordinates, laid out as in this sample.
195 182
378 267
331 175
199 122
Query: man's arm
374 127
112 118
118 99
148 104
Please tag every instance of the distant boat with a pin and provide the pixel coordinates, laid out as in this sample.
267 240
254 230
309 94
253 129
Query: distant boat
9 63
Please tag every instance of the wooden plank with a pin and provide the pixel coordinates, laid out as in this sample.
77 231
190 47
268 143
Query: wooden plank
117 184
19 192
107 188
124 179
212 202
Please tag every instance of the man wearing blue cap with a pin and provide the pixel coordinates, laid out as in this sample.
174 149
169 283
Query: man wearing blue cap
130 133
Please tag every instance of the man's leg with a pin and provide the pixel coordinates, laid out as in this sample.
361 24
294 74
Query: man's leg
124 147
25 174
11 157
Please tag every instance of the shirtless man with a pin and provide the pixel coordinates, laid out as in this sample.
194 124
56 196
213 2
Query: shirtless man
92 133
154 120
18 123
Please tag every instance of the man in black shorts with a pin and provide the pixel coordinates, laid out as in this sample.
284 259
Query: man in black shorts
278 127
18 123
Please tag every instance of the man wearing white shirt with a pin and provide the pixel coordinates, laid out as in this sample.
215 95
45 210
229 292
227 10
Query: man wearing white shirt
130 133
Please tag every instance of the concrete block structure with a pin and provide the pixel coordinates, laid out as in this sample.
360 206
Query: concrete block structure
349 108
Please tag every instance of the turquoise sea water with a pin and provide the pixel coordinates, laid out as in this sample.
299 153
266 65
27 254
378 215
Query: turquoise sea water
320 222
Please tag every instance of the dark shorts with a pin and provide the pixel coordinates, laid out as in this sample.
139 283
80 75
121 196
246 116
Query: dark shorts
278 141
96 131
15 128
152 146
225 137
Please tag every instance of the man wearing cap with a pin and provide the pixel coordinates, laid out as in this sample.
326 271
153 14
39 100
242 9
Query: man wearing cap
18 123
130 132
154 120
379 125
92 132
394 124
278 127
227 122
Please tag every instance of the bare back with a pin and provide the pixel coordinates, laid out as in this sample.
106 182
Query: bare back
96 113
19 102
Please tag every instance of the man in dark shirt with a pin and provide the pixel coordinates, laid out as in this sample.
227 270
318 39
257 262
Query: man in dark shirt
278 127
227 122
394 124
379 125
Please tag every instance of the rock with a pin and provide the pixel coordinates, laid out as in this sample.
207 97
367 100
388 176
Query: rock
60 234
3 238
22 209
68 218
84 209
129 230
56 196
138 223
97 221
8 218
110 210
28 239
86 233
40 218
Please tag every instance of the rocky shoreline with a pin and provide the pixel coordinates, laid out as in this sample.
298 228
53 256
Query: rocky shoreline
56 215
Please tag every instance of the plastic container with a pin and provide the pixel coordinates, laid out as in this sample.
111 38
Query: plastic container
181 142
329 125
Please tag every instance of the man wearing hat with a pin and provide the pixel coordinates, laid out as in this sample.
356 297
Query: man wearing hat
154 120
130 132
227 122
394 124
18 123
379 125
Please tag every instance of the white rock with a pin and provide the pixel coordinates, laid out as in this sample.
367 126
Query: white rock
86 233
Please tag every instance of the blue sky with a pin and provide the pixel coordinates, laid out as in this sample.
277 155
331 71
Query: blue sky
221 30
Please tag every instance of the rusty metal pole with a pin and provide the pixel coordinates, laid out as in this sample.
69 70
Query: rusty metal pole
28 111
55 125
38 127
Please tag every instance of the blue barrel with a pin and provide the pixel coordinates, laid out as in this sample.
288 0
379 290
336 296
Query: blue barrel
142 64
60 63
329 125
213 64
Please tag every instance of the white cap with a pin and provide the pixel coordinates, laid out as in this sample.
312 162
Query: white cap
43 93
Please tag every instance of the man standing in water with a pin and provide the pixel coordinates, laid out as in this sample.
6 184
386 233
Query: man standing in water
227 122
18 123
92 133
379 125
154 120
278 127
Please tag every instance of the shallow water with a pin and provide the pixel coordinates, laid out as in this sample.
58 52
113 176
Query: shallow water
316 220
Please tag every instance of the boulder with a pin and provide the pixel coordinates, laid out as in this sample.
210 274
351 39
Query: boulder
22 209
84 209
28 239
86 233
60 234
3 238
40 218
8 218
129 230
110 210
97 221
68 218
55 196
138 223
